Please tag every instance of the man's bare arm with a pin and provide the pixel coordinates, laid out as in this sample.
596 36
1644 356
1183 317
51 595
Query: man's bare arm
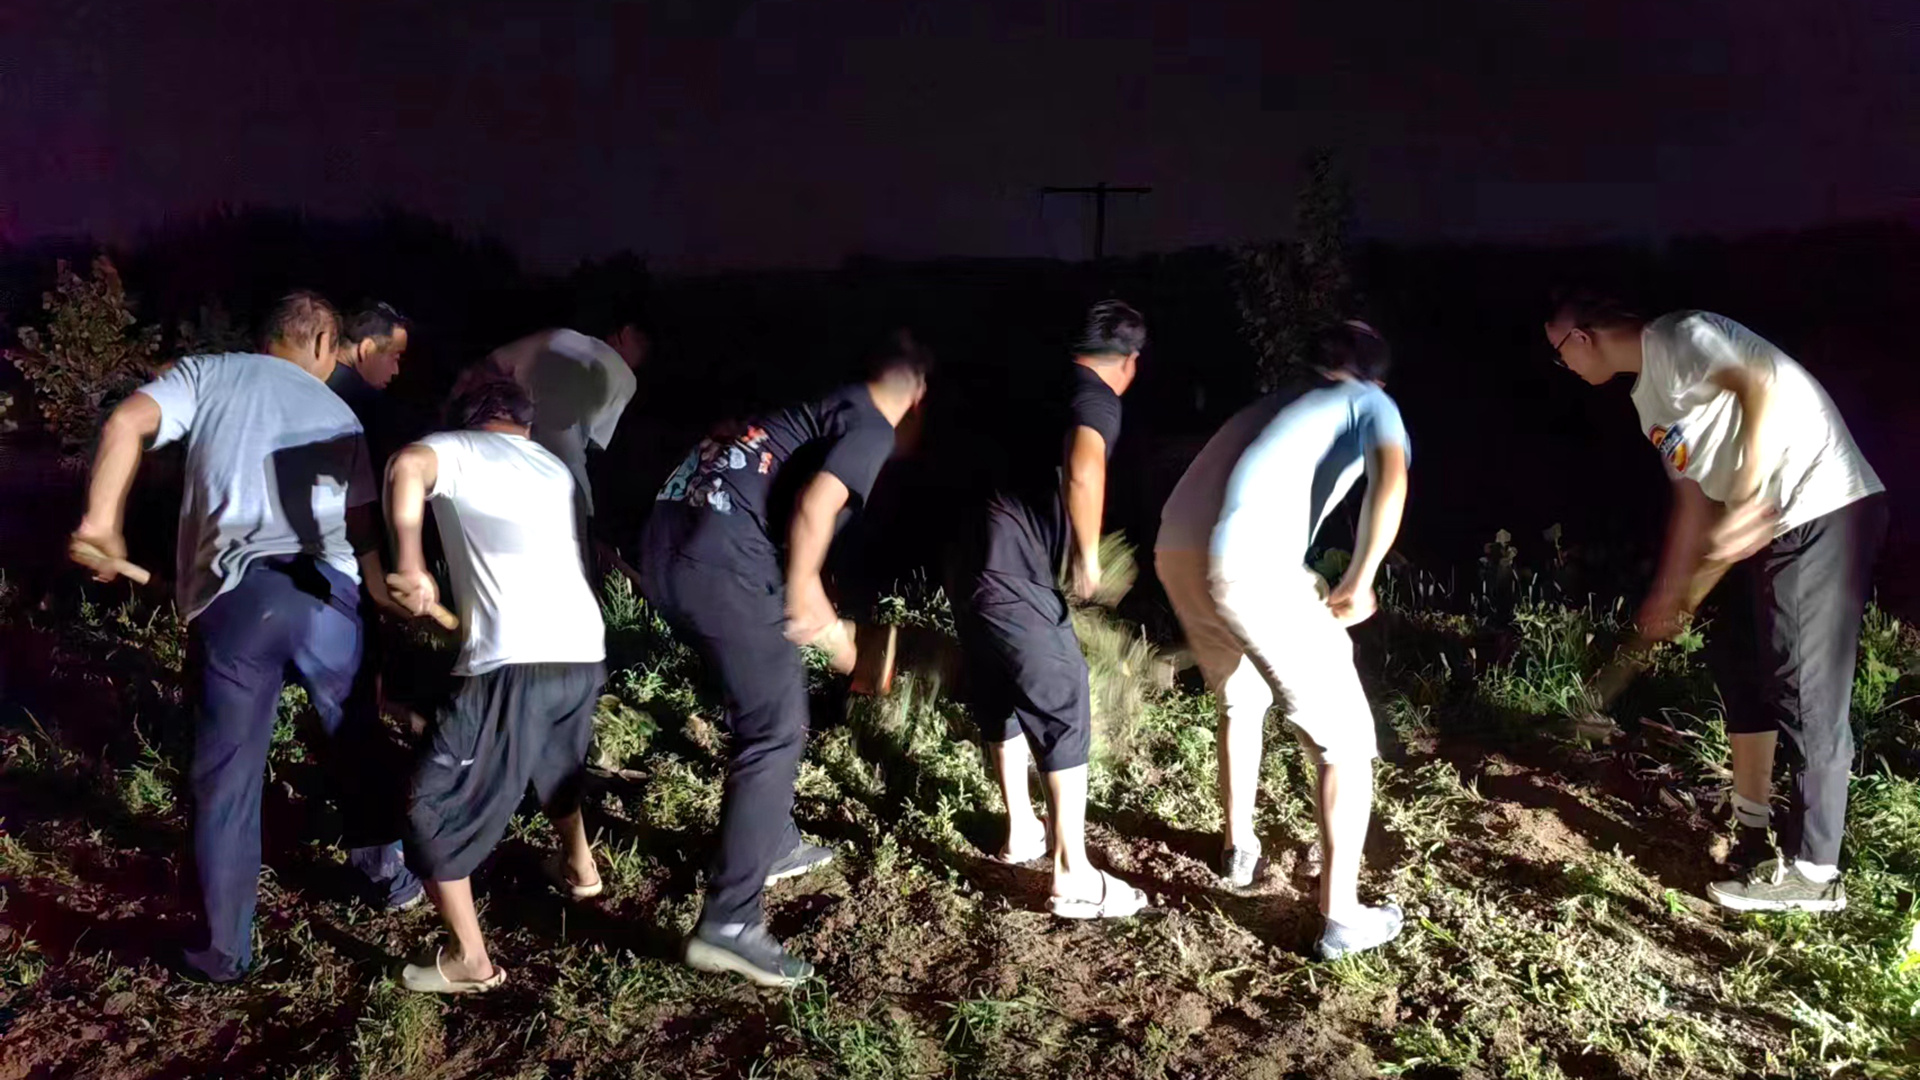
115 464
809 612
1352 600
1085 481
1750 518
1755 395
1689 525
410 475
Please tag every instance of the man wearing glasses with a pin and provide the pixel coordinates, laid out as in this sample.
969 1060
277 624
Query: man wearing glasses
1766 477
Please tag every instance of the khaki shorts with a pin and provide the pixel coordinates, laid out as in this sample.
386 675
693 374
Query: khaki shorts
1258 638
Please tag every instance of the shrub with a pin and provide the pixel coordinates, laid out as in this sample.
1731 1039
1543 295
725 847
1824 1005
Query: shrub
213 330
91 352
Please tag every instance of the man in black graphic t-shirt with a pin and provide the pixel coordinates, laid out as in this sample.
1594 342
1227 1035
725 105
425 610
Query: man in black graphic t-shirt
1027 678
712 555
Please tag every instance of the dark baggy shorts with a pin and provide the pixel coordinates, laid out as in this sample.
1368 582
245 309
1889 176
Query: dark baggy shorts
1782 652
1024 669
514 726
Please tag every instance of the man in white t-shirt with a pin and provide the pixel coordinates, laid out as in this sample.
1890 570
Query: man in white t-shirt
529 670
1231 553
580 386
1766 476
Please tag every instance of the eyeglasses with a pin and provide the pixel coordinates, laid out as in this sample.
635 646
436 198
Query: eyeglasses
1557 357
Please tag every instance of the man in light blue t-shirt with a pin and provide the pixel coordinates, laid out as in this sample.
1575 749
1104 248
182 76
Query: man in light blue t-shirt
1231 552
274 526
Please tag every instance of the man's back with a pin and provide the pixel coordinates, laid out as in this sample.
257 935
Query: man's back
573 379
274 461
504 505
1299 467
733 499
1026 514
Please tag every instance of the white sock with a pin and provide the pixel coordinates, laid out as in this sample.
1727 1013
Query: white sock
1753 814
1816 873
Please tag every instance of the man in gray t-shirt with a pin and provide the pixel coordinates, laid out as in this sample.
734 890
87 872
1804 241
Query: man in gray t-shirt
276 506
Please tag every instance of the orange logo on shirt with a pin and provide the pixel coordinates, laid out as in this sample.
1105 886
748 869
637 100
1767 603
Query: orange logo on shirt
1672 444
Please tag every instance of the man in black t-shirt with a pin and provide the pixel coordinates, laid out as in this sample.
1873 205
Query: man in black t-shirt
712 556
1027 678
373 340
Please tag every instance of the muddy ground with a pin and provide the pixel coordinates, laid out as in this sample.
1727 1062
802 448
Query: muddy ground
1555 926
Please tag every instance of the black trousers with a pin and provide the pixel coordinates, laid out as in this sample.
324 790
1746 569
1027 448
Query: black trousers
738 626
502 731
1024 669
1783 658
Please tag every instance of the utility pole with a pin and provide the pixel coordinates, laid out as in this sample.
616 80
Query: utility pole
1099 191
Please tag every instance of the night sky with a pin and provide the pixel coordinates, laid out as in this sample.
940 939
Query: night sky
716 133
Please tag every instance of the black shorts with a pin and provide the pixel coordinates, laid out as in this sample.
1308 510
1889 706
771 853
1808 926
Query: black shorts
1024 669
515 726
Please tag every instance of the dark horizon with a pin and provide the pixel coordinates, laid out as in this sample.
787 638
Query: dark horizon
767 135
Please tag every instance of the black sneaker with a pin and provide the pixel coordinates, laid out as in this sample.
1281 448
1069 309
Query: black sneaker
1778 885
746 950
803 858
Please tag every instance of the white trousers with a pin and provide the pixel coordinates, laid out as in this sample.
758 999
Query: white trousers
1262 636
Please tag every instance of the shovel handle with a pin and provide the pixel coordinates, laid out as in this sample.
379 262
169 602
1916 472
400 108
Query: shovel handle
447 619
99 561
1620 672
435 610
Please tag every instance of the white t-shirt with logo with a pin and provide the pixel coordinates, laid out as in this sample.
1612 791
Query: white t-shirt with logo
504 505
1813 466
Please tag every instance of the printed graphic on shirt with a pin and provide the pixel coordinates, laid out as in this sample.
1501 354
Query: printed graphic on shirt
1672 444
697 482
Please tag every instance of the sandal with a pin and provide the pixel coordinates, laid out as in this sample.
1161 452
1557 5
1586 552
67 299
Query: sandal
556 869
422 979
1117 901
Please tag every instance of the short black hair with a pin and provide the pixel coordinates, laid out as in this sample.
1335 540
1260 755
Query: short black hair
374 320
901 354
297 318
1113 328
1351 347
485 400
1594 309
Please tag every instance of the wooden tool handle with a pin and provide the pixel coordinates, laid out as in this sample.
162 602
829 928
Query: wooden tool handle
99 561
435 610
1620 672
1705 577
447 619
838 642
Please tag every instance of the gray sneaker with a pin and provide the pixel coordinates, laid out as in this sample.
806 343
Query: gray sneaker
802 859
1778 885
1238 867
745 950
1370 929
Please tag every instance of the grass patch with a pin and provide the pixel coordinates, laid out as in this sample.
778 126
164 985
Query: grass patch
398 1033
882 1044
